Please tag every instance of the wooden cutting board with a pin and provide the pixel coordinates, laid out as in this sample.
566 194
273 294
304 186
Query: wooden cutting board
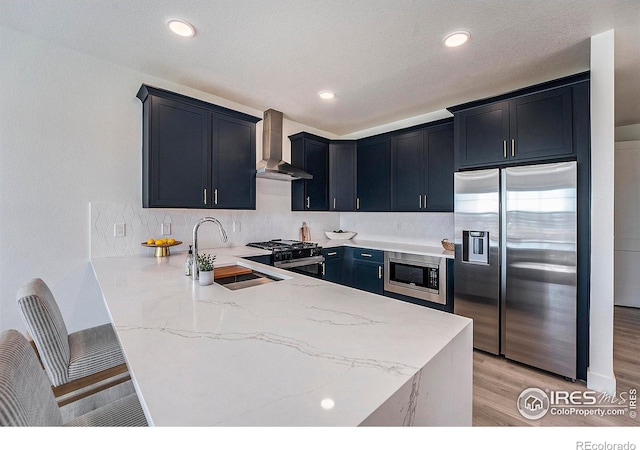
230 271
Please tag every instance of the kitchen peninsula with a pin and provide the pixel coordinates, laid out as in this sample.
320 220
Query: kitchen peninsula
296 352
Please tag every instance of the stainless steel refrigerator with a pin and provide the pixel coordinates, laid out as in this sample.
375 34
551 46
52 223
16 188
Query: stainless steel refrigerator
515 262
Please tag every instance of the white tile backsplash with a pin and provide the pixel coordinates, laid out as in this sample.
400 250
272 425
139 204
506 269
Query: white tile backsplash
272 219
404 228
142 223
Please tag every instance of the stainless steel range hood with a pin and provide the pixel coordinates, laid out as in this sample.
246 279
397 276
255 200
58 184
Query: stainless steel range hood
272 166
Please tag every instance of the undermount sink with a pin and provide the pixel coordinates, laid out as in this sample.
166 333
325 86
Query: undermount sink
242 277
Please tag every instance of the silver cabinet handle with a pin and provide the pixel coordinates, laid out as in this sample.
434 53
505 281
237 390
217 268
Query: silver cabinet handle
205 196
425 200
334 203
215 196
357 202
332 253
323 269
420 198
308 203
366 255
380 272
504 148
513 147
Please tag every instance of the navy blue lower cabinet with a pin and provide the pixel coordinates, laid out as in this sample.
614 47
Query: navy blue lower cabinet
367 276
367 271
332 265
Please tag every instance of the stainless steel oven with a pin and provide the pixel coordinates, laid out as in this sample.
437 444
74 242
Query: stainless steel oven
300 257
312 266
418 276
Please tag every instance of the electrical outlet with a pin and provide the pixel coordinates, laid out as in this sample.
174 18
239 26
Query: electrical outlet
237 226
165 229
118 229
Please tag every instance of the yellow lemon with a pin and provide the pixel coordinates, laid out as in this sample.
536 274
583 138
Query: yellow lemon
159 242
171 241
151 241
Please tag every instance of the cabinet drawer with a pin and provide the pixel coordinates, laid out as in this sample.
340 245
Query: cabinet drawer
368 254
332 253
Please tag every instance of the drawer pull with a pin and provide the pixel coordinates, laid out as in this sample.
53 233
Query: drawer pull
332 253
366 255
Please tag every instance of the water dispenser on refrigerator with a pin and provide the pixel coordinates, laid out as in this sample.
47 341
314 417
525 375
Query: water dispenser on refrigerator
475 247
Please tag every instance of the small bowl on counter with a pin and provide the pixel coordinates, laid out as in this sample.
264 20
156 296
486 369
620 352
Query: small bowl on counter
340 234
448 245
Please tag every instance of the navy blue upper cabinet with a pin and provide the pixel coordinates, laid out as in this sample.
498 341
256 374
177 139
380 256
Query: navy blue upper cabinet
234 163
535 126
195 154
311 154
342 175
408 171
176 156
373 185
422 169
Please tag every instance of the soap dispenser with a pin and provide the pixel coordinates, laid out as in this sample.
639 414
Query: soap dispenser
188 263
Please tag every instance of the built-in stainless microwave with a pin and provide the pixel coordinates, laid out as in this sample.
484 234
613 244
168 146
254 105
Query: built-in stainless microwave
418 276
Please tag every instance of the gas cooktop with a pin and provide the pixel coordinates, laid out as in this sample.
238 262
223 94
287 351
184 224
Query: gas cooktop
282 244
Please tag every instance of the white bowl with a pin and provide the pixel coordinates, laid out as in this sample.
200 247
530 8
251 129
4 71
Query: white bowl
343 235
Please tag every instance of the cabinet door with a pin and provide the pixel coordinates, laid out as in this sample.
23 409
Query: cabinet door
367 276
342 176
439 173
332 265
316 157
373 175
234 163
408 172
482 135
177 155
541 125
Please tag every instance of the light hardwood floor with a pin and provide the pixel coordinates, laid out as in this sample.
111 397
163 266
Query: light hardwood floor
497 383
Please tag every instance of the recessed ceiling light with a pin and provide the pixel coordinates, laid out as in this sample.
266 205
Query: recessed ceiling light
456 38
326 95
181 27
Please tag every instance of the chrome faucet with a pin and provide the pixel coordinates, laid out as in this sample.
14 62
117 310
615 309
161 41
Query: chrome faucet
195 273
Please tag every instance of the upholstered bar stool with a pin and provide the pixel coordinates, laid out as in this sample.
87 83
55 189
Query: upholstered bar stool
26 398
77 364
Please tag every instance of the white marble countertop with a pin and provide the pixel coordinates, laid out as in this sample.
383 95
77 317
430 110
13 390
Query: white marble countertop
388 247
265 355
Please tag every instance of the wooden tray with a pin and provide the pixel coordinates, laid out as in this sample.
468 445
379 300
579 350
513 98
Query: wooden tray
230 271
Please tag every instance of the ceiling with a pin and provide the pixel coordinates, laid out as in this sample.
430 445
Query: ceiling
383 58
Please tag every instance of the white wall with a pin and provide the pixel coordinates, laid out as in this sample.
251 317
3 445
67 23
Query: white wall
600 376
627 218
628 133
